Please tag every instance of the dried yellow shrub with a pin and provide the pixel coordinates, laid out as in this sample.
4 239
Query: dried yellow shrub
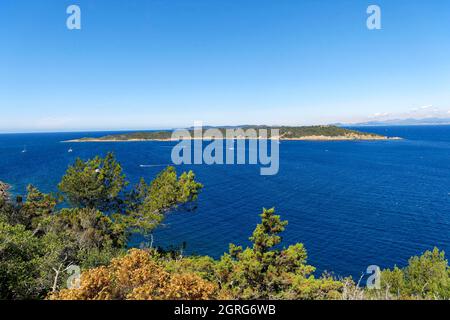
137 276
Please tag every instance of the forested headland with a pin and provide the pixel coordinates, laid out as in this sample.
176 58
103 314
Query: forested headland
285 133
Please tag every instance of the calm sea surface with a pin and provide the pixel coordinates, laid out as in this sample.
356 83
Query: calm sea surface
352 204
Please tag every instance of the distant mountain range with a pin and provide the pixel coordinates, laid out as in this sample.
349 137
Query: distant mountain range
400 122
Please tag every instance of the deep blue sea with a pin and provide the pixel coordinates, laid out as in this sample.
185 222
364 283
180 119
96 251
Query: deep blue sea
353 204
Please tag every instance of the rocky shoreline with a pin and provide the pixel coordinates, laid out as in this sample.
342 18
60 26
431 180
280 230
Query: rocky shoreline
4 194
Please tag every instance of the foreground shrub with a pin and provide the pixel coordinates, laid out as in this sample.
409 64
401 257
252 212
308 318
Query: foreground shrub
425 277
260 272
138 276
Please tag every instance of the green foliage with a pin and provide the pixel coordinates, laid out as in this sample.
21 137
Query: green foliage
37 206
94 184
266 233
20 254
260 272
165 193
264 272
202 266
33 262
285 132
40 241
327 131
100 184
425 277
88 228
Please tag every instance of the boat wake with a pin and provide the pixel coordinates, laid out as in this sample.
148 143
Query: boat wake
154 165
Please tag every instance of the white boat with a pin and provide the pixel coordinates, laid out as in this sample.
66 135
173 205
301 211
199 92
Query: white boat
24 149
70 150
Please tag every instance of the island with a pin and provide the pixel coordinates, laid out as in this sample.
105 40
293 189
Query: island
306 133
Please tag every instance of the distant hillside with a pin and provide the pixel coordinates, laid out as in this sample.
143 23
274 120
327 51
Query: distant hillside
286 133
403 122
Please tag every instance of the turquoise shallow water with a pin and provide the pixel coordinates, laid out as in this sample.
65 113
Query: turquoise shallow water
353 204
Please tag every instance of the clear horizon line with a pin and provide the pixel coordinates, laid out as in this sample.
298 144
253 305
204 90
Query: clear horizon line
220 126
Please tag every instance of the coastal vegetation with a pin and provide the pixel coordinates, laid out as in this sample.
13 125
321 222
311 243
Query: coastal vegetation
286 133
86 226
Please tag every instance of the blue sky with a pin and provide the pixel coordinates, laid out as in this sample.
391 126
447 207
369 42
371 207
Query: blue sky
165 63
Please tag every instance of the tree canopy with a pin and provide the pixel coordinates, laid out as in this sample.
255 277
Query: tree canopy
43 235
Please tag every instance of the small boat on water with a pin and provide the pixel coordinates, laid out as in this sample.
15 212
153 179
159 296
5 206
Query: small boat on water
24 149
70 150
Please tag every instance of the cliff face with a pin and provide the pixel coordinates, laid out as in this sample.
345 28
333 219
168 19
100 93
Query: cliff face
4 190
